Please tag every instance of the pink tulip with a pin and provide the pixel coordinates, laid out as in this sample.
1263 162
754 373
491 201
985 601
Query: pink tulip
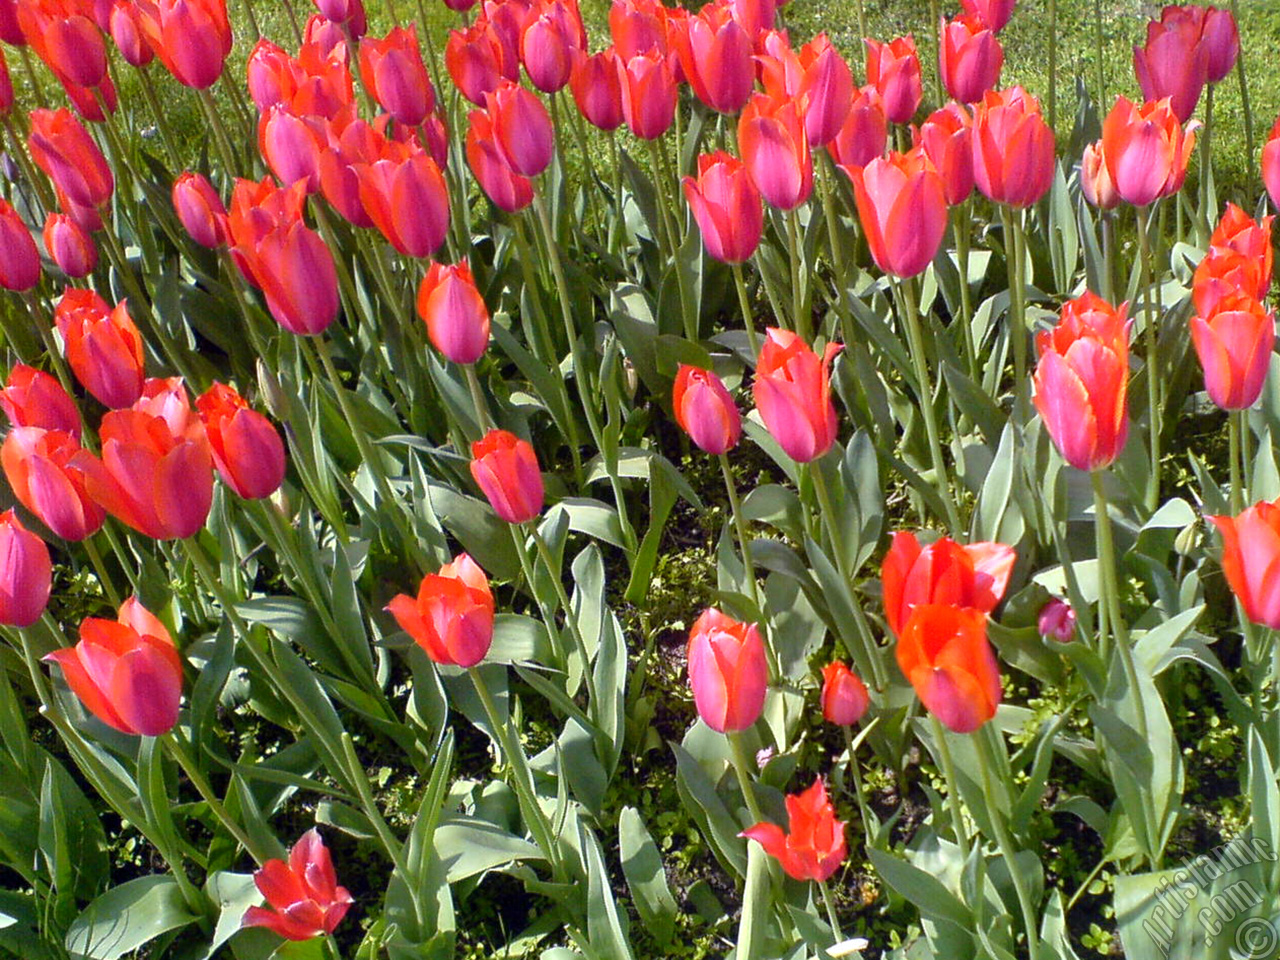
727 207
26 573
903 208
865 131
705 411
969 58
455 314
792 391
727 671
893 68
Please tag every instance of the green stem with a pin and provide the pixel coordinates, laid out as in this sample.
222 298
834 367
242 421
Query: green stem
1244 98
953 788
824 173
222 142
173 741
666 228
1017 311
831 911
1108 270
742 768
1205 215
744 303
570 618
483 420
1154 404
862 19
859 791
161 118
1234 418
740 523
95 557
961 226
800 315
547 611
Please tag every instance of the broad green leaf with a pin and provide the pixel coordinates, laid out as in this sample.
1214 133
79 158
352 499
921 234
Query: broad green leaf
646 879
469 847
128 916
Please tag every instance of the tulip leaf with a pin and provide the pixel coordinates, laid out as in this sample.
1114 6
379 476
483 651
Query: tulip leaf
470 846
1264 796
231 895
646 879
920 888
1064 240
755 905
713 818
592 517
477 528
975 404
71 840
605 924
127 916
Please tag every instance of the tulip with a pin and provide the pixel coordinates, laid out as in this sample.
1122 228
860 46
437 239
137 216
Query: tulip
340 11
126 672
1251 239
597 89
63 149
200 209
1221 39
944 653
91 103
71 248
893 68
727 671
648 94
507 189
33 398
19 258
456 316
775 149
1146 150
68 41
256 210
506 470
246 448
947 140
507 20
792 391
715 54
844 695
727 206
474 60
408 201
37 464
815 846
351 143
1057 621
756 16
1081 381
1012 148
1224 272
291 145
158 483
298 278
817 77
705 411
6 87
865 132
902 204
1173 64
1271 164
636 27
548 45
1095 179
26 574
974 575
1251 560
994 13
102 346
395 76
969 58
1234 344
191 37
452 616
10 30
304 895
522 126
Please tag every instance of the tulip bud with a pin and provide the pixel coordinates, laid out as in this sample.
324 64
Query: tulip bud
38 466
994 13
1221 39
548 43
507 189
1250 552
19 258
291 145
127 31
902 205
727 207
63 149
408 202
474 60
597 89
1057 621
893 68
455 314
452 616
947 140
814 847
1270 165
844 695
649 94
792 391
715 53
969 58
298 277
705 411
975 575
1095 179
1234 344
26 574
102 346
304 895
33 398
865 132
775 150
246 448
945 654
1146 150
70 247
201 210
395 76
506 470
1013 148
727 671
194 39
522 125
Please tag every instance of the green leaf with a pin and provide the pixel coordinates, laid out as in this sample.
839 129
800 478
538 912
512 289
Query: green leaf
710 813
127 916
231 894
646 879
469 847
922 889
604 923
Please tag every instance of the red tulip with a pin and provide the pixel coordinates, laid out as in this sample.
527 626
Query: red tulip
648 94
1221 38
1240 233
792 391
902 204
705 411
975 575
944 653
1057 621
201 210
19 258
1012 148
506 470
37 464
715 54
63 149
304 895
91 103
507 189
1223 273
474 58
1081 381
10 31
526 139
775 149
549 42
727 206
191 37
865 132
756 16
71 248
636 27
26 574
395 76
727 671
994 13
969 58
1173 64
817 77
291 145
1146 150
246 448
67 40
408 201
126 672
342 11
455 314
452 616
947 140
1251 560
102 346
815 846
33 398
1095 179
893 68
844 695
597 89
1234 344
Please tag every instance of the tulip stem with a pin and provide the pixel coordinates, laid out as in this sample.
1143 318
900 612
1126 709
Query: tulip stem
744 302
1154 404
570 617
173 740
1015 248
742 769
862 19
831 911
667 229
45 326
825 172
1234 418
1205 215
953 788
1005 842
916 336
856 769
961 227
798 307
95 557
221 141
740 523
1244 98
1108 271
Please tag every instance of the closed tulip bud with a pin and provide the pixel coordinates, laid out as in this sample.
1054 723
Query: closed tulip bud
63 149
201 210
1234 344
649 93
727 671
969 58
67 40
303 894
893 68
1012 148
636 27
1146 150
395 76
826 90
26 574
1057 621
298 278
19 258
547 47
452 616
596 88
902 205
945 654
727 206
1173 64
1220 36
127 31
455 314
1250 552
756 16
338 11
775 149
33 398
246 448
705 411
943 572
70 247
946 138
815 846
994 13
844 695
1095 179
506 470
507 189
473 58
1271 164
408 202
291 145
792 391
1240 233
1224 273
194 38
1082 381
126 672
269 74
102 346
38 466
715 54
523 128
865 132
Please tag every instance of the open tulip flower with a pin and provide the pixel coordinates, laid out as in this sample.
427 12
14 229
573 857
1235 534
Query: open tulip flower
38 465
974 575
792 391
944 653
33 398
814 846
1146 150
452 616
303 894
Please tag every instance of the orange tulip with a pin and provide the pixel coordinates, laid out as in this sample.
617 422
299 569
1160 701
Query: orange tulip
1223 272
727 207
727 671
303 893
1012 148
33 398
893 68
1239 232
455 313
944 653
38 465
792 391
191 37
102 346
902 204
943 572
814 847
1146 150
506 470
1251 560
452 616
